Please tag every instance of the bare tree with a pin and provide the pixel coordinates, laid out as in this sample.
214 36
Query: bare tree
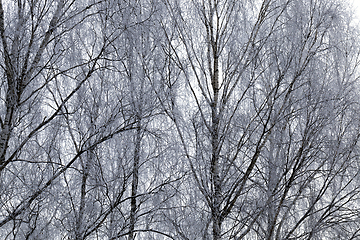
166 119
254 73
116 189
45 61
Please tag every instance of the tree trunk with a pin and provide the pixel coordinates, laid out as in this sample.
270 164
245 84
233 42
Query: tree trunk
215 173
135 181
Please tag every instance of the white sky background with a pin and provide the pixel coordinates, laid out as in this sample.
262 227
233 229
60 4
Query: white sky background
356 8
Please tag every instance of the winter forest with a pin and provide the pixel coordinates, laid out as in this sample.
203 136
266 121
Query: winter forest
179 120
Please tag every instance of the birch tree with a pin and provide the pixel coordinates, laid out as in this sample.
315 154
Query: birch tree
166 119
251 70
45 61
117 189
303 161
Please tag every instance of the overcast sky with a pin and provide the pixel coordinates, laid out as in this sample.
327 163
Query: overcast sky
356 4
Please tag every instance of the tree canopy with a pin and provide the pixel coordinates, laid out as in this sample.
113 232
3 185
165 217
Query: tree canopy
179 119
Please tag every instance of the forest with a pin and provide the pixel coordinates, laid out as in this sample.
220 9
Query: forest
179 120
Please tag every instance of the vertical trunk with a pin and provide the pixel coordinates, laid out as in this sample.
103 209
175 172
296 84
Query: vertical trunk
80 215
86 163
214 166
12 100
11 95
79 232
6 126
136 91
135 181
271 221
215 174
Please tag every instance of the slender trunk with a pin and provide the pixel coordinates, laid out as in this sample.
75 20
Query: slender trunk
136 95
214 167
79 232
215 173
270 189
6 127
89 158
80 216
6 123
135 181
